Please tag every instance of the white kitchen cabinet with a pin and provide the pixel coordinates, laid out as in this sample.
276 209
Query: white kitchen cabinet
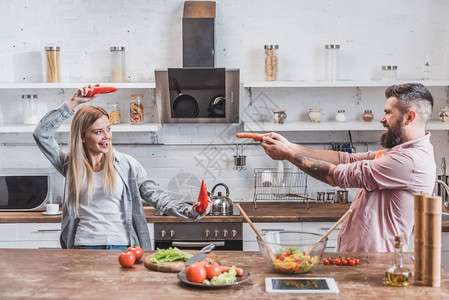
151 231
8 236
38 235
249 236
445 249
321 228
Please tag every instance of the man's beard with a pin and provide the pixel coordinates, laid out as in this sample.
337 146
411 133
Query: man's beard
392 137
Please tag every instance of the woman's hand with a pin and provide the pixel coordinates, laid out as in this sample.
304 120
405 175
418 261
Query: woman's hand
79 96
196 206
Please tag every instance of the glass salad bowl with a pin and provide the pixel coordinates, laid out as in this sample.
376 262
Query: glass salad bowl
292 251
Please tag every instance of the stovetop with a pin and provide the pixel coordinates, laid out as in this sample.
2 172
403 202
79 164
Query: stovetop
235 212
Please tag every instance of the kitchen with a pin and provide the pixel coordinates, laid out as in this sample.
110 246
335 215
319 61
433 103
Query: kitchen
370 34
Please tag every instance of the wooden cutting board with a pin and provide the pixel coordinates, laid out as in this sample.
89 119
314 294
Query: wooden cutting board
174 266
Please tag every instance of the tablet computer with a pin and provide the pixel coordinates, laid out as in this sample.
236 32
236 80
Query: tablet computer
301 285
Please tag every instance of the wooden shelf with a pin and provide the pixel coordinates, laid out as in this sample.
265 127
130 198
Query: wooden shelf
340 83
146 127
70 85
329 126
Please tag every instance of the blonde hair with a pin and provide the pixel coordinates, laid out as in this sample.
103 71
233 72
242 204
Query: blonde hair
79 177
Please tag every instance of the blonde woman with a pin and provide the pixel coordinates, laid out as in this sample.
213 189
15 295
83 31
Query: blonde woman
102 206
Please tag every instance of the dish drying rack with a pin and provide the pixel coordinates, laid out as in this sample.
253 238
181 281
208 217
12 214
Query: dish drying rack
289 185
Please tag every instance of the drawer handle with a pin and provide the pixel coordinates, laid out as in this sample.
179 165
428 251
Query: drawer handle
196 244
274 229
327 228
48 230
48 248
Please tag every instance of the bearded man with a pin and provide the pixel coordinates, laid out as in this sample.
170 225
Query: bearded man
384 206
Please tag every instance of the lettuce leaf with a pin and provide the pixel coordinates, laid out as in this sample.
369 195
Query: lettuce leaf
224 278
170 254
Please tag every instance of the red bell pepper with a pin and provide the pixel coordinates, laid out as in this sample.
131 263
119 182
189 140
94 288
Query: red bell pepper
101 90
203 199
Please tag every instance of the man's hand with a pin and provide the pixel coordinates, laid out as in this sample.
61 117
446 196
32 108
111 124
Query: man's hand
277 147
79 96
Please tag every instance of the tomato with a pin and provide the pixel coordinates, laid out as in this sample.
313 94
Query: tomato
357 261
352 262
138 252
212 270
127 259
337 261
344 262
331 260
325 261
284 255
196 272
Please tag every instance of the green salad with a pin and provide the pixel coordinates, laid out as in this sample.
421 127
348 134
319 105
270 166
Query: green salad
224 278
170 254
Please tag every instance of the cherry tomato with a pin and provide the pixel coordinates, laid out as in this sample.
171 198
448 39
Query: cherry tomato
348 258
138 252
331 260
357 261
325 261
196 272
212 270
337 261
284 255
344 262
127 259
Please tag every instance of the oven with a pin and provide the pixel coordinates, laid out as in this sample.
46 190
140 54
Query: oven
196 235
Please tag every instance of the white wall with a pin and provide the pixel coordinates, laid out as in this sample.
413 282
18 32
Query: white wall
371 34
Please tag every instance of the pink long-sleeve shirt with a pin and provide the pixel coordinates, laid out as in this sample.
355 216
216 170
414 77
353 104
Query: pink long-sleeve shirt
383 207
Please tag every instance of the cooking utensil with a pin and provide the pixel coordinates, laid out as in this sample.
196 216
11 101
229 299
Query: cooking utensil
221 205
352 149
300 196
342 196
217 106
331 229
239 158
273 258
184 106
200 255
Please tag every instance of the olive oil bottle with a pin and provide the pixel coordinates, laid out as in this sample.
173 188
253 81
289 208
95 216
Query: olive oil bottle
398 275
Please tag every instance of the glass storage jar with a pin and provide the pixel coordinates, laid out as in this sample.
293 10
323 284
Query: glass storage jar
117 64
271 62
136 109
341 116
389 73
114 113
30 116
332 62
53 73
368 115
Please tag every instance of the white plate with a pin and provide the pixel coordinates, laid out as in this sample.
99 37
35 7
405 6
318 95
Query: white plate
47 214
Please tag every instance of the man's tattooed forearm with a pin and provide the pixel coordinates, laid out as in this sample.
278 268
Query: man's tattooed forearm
315 168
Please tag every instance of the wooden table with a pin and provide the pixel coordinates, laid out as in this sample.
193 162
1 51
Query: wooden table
96 274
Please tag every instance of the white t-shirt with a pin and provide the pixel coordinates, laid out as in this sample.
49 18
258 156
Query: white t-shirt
102 221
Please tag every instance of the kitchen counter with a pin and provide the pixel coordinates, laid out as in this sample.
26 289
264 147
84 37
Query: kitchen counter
266 212
96 274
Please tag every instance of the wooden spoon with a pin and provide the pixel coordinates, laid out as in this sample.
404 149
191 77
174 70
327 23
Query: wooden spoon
330 230
273 258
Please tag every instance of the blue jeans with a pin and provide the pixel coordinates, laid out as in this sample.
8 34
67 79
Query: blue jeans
104 247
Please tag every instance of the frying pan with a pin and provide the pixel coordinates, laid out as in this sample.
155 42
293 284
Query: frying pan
217 106
184 106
